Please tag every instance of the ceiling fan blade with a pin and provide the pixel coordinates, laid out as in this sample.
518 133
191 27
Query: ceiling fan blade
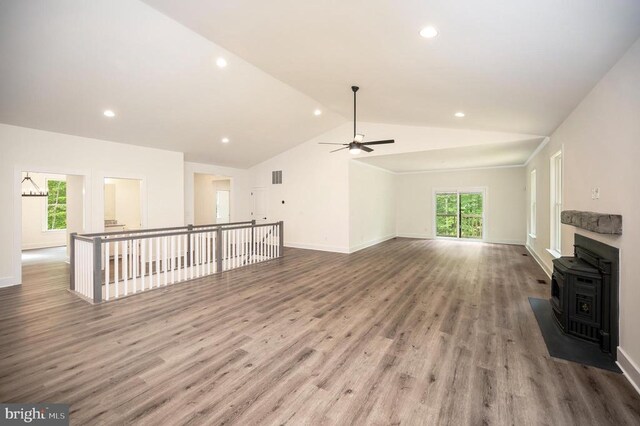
365 148
339 149
358 138
329 143
378 142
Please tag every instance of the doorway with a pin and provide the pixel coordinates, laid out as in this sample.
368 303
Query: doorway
122 204
222 206
459 214
52 208
212 199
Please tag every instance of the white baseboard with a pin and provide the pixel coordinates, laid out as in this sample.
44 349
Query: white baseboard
412 235
8 282
35 246
371 243
544 267
629 368
319 247
506 242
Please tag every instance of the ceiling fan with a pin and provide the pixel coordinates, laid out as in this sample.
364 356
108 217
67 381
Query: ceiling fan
357 145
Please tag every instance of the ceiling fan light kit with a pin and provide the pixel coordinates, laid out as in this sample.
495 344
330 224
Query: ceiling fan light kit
357 145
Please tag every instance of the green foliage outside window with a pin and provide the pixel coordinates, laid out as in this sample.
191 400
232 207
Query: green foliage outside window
447 215
57 204
470 215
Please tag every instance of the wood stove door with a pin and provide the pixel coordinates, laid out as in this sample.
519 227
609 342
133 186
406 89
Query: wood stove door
584 306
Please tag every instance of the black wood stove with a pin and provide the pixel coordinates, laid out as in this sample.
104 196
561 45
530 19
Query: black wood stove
584 293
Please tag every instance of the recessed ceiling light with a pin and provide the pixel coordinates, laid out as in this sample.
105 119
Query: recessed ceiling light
221 62
459 114
428 32
225 140
317 112
109 113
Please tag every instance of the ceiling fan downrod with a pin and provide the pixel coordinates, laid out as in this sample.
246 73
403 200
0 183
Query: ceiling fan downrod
355 89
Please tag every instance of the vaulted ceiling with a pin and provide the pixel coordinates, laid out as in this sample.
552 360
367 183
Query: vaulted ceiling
517 66
63 62
511 66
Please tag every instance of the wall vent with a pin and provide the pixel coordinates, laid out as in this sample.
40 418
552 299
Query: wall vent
276 177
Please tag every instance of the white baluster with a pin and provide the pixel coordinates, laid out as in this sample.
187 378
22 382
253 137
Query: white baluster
158 262
178 257
201 253
143 261
224 250
134 266
125 266
116 268
165 258
261 246
191 256
82 266
172 261
106 270
247 241
150 259
236 244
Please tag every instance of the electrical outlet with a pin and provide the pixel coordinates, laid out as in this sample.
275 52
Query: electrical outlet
595 193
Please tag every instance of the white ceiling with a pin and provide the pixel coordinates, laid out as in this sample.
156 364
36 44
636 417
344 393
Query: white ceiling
477 156
65 61
517 66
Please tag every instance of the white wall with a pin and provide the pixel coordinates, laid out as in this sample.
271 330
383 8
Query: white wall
26 149
75 206
505 214
316 186
315 191
239 182
372 205
34 218
601 148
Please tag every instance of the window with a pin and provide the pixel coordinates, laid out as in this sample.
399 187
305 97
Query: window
459 214
447 214
556 203
532 205
56 205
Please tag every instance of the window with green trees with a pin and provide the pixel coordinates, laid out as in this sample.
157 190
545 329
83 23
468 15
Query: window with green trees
447 214
56 204
459 214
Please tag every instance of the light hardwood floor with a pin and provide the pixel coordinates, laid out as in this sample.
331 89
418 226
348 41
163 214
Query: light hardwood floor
406 332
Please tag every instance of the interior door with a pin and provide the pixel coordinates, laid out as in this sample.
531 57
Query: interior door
259 208
222 206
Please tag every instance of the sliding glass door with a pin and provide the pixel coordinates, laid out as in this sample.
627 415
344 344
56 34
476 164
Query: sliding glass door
459 214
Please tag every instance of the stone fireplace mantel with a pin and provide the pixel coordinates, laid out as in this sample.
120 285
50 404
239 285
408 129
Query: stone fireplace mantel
595 222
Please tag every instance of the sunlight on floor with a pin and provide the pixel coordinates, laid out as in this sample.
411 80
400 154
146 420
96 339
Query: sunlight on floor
46 255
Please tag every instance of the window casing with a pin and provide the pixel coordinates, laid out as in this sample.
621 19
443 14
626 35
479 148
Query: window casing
556 203
532 204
